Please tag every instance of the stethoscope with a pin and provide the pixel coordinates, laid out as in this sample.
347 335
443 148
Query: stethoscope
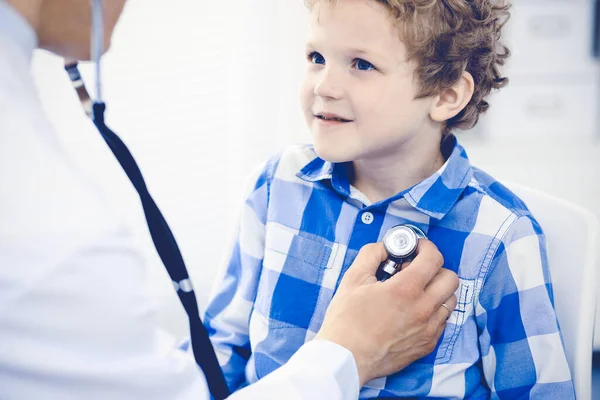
163 238
401 243
97 49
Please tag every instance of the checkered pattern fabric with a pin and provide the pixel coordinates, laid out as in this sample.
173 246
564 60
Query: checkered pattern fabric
301 228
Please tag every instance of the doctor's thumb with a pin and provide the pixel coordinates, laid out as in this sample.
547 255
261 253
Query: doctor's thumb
367 262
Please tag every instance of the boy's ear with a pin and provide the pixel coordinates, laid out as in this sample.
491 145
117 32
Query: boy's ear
453 100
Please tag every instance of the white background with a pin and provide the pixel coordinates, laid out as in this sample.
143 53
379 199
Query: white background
202 92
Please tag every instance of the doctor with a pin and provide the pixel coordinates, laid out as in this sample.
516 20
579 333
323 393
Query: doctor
75 322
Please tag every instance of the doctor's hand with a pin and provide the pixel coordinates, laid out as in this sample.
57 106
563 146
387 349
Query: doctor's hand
388 325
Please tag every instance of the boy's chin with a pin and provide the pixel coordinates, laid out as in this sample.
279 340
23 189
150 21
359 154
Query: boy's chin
333 154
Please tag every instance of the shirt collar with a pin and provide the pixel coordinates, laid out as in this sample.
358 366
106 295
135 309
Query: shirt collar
14 27
434 196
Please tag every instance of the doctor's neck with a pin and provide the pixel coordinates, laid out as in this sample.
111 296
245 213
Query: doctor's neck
63 27
51 24
29 9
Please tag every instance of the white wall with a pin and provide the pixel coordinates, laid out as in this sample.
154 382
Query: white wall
178 80
203 91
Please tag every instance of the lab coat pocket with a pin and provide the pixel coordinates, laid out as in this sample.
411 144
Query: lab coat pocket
293 268
456 323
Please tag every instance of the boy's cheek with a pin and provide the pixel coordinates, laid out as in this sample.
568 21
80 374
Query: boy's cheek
306 100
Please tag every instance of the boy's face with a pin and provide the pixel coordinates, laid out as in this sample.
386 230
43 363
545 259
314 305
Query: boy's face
359 92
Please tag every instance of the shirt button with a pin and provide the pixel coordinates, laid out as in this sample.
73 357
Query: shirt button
367 218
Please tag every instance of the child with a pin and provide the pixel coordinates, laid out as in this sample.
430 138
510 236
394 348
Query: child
387 84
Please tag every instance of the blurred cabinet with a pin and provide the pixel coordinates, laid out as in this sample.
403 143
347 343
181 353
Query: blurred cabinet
548 117
554 78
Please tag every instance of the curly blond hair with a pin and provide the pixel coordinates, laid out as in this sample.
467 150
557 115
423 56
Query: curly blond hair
447 38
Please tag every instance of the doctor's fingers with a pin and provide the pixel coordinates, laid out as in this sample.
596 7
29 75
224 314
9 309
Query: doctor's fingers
443 285
423 268
444 311
365 264
437 323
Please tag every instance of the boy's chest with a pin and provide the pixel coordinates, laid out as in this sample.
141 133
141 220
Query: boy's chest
302 270
312 241
299 277
308 249
317 238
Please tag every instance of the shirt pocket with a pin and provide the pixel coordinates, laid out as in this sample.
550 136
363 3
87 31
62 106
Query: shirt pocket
293 268
463 311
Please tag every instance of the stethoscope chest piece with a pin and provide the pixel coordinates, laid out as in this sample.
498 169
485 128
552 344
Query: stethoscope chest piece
400 242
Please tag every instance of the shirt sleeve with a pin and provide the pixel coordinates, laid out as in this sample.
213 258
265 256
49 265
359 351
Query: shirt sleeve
523 355
227 315
319 370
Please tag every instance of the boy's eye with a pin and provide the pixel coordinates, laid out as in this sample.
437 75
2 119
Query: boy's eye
363 65
316 58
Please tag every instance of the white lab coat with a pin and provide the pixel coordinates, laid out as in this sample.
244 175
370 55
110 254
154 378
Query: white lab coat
75 320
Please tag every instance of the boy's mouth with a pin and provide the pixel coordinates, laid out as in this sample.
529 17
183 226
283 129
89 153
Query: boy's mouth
328 117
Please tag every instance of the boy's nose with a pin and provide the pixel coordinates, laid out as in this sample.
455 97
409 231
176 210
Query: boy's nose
328 85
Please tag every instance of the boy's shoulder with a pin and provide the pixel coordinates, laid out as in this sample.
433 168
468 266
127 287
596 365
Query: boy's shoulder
490 186
496 199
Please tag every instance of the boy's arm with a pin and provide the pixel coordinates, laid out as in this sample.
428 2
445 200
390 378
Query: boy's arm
520 340
230 305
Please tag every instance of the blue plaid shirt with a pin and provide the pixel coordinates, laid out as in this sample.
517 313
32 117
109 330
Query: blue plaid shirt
301 228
